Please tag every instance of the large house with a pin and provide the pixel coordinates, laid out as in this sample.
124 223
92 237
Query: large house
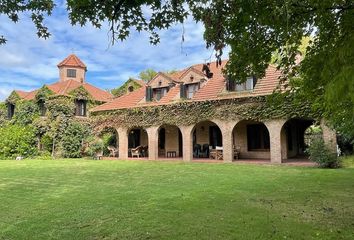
72 72
194 113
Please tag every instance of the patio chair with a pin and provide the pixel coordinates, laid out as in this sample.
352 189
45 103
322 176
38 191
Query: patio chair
205 151
196 150
144 151
136 151
98 155
113 151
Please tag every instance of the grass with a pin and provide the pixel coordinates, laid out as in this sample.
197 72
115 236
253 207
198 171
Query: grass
86 199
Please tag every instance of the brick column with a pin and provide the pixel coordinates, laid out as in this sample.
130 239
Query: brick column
227 141
329 136
274 128
187 142
153 139
123 143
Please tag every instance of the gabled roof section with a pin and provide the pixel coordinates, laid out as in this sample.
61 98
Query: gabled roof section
164 78
189 70
72 61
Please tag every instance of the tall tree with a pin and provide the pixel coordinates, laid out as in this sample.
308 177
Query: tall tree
147 74
253 29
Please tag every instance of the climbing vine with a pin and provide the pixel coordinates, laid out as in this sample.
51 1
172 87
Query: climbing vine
188 113
43 94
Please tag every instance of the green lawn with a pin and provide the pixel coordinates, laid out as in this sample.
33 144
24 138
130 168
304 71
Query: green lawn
86 199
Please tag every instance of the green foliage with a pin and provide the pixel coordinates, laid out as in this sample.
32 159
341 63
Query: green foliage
26 112
43 94
188 113
108 139
322 155
3 113
73 138
117 92
95 146
80 93
147 74
13 98
17 140
60 106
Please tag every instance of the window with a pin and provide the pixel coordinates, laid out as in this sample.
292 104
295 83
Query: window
42 108
258 137
71 73
159 93
80 108
10 110
245 86
130 89
191 89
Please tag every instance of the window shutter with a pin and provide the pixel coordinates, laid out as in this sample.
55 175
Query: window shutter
84 106
182 91
254 81
148 95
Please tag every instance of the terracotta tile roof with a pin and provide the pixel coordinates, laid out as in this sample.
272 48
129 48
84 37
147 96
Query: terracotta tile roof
21 94
213 89
72 61
64 88
170 95
126 101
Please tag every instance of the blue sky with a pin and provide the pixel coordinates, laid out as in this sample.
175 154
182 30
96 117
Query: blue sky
27 62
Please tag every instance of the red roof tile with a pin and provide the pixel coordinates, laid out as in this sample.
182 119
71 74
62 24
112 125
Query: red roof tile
64 88
72 61
213 89
126 101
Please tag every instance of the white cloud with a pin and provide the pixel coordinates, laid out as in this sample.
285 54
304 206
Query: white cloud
28 62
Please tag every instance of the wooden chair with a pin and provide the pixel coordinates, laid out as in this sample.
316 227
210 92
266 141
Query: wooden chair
136 151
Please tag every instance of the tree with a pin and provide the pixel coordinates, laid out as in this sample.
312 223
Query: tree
147 74
253 30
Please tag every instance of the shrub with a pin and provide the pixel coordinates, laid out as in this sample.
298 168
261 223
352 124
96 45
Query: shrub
321 154
95 145
73 138
17 140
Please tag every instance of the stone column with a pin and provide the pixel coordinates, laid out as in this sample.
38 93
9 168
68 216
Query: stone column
274 128
329 136
123 142
153 139
187 142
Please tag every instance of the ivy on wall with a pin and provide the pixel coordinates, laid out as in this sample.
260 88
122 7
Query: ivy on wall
13 98
189 113
117 92
43 94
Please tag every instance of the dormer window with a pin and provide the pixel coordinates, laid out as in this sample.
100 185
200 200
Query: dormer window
10 110
71 73
159 93
188 90
80 108
248 85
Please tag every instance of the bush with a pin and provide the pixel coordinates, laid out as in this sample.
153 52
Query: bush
16 140
95 145
73 139
322 155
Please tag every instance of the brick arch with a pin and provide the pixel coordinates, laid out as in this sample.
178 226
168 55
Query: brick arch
170 141
292 137
251 139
